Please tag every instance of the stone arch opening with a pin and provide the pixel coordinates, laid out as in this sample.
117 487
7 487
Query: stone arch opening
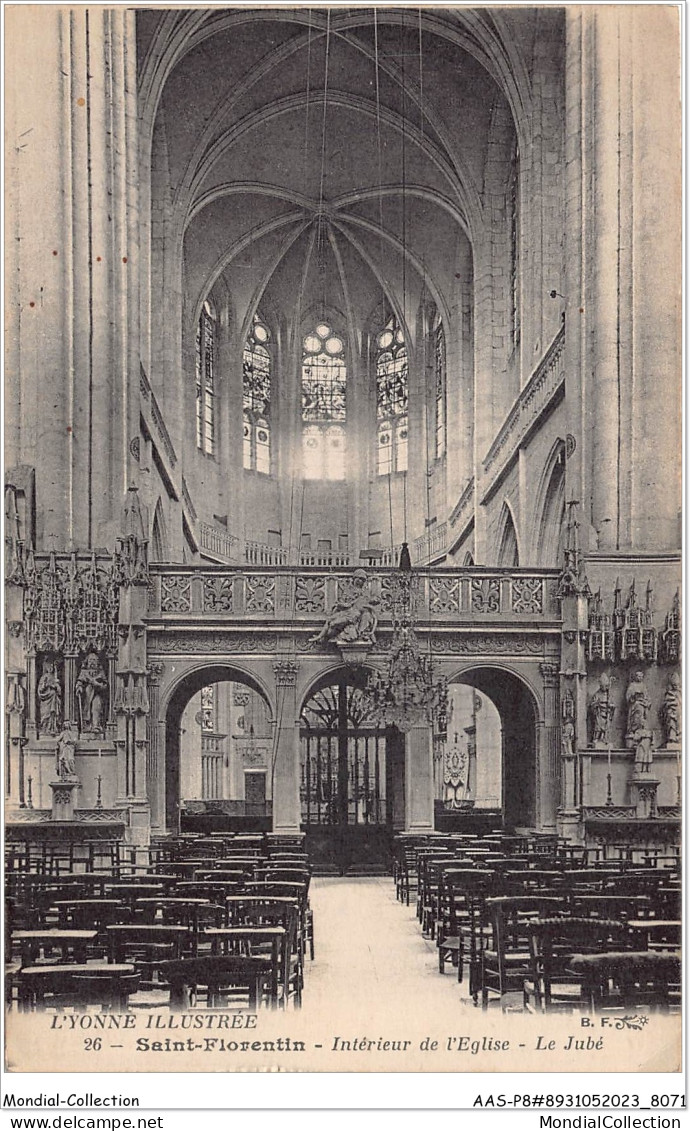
518 762
181 695
351 775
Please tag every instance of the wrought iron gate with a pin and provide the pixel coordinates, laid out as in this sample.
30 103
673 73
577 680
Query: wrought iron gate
344 775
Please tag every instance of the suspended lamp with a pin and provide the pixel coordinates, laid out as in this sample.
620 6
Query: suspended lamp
406 693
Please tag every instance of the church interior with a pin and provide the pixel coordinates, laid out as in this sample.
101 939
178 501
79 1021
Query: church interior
342 499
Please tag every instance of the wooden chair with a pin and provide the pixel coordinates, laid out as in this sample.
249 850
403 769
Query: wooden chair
146 941
298 891
620 907
429 864
41 986
220 979
505 962
270 943
461 932
280 912
551 985
628 981
110 990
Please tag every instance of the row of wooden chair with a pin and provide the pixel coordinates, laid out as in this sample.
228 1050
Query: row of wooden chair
239 916
494 915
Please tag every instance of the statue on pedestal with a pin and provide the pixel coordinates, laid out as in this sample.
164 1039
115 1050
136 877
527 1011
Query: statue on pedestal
66 753
672 710
638 736
601 712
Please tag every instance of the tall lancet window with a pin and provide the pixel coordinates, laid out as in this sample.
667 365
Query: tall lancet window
256 387
324 404
440 389
206 380
391 399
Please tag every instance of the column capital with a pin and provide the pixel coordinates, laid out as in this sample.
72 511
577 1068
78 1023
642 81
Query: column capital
286 672
550 671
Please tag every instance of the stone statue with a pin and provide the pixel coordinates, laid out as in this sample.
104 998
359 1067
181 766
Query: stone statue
66 751
567 738
643 752
638 704
91 690
352 619
638 736
672 710
601 711
49 694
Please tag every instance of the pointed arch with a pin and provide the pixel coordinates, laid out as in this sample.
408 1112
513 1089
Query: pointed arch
159 535
508 548
549 512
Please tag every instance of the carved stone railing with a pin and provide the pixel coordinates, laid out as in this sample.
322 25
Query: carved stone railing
330 558
430 545
285 596
218 542
545 384
257 553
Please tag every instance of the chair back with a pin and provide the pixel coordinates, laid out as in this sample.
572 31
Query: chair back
552 944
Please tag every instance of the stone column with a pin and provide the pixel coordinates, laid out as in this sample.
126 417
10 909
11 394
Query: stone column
153 729
623 195
608 381
549 749
655 267
15 694
131 699
286 803
419 779
72 303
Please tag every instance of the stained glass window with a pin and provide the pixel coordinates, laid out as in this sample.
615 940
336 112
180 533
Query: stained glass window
256 386
440 380
205 380
391 399
324 405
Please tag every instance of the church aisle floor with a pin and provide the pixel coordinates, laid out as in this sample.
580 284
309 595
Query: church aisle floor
372 961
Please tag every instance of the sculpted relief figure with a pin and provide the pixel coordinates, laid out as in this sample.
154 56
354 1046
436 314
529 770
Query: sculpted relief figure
672 710
352 618
49 694
601 712
91 690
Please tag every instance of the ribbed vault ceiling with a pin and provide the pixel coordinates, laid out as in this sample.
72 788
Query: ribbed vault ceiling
322 159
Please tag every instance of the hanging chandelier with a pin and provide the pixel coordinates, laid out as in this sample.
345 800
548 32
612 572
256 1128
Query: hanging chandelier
406 693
